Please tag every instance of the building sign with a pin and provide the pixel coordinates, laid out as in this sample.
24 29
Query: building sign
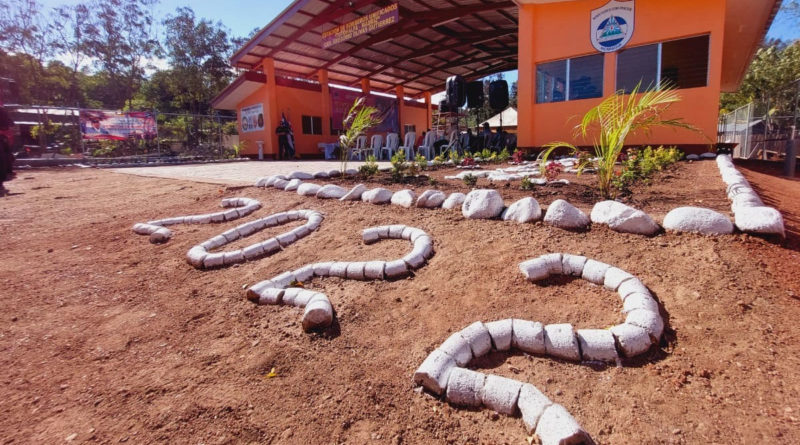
612 25
252 118
362 25
116 125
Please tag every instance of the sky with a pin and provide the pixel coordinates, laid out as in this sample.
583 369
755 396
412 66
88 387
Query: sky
242 16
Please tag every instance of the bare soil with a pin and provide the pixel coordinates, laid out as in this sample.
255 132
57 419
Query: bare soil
105 338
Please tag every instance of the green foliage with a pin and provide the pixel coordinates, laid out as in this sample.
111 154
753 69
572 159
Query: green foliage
470 180
617 117
455 158
422 162
399 166
236 149
66 151
504 155
640 165
370 168
773 67
357 122
526 184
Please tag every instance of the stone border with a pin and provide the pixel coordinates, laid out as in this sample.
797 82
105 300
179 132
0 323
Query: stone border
200 257
158 232
444 372
750 213
318 310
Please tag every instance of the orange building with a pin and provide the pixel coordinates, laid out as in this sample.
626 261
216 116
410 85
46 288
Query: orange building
569 55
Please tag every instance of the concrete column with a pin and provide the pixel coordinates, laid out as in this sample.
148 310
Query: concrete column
609 74
326 102
399 91
273 116
526 84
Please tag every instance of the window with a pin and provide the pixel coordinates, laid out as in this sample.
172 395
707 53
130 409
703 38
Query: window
312 125
585 75
681 63
409 129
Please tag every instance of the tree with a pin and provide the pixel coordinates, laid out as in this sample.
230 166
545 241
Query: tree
71 26
123 41
772 69
25 32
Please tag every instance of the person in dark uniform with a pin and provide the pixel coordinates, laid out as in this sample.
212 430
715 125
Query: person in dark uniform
285 139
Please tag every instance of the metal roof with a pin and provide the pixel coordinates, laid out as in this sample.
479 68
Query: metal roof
433 39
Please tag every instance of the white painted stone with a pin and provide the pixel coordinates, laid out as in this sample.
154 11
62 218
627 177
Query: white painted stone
632 340
322 269
528 336
280 183
338 269
623 218
233 257
457 347
308 189
373 270
304 296
478 338
396 269
639 300
404 198
766 220
431 199
160 235
283 280
414 259
377 196
355 270
464 387
434 373
196 255
374 234
692 157
532 404
318 313
261 181
334 173
270 296
573 264
396 231
699 220
744 200
321 175
554 263
330 191
615 277
557 427
501 394
597 344
523 211
213 260
351 172
482 204
560 341
648 320
285 239
289 295
708 155
292 185
355 193
454 201
300 175
535 270
501 333
565 216
270 246
633 285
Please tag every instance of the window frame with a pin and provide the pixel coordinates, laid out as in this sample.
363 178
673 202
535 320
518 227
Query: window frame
659 62
314 130
567 72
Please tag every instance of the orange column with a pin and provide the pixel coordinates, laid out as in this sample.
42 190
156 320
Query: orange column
272 114
429 108
526 84
326 102
609 74
399 91
365 86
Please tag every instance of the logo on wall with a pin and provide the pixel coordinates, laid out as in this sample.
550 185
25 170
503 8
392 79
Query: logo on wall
612 25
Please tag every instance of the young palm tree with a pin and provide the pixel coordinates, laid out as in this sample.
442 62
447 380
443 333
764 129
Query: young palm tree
619 116
358 121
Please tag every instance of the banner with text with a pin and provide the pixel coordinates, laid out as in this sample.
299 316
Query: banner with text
252 118
117 125
362 25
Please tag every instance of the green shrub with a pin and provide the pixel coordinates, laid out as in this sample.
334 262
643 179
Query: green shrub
526 184
470 180
421 162
455 157
504 155
370 168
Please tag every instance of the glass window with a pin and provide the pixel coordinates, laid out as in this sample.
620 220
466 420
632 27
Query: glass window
684 63
551 82
586 77
637 65
312 125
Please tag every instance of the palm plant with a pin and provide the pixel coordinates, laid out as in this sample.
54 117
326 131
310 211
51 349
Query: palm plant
358 121
619 116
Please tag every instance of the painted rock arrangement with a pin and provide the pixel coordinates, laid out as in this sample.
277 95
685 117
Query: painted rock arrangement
200 257
318 310
158 232
443 372
750 213
698 220
623 218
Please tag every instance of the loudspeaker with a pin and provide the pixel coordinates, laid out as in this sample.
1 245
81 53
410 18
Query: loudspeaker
475 94
456 91
498 94
444 107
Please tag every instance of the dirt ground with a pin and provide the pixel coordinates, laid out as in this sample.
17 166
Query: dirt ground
106 338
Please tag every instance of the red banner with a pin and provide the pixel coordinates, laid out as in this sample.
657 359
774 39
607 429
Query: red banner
116 125
362 25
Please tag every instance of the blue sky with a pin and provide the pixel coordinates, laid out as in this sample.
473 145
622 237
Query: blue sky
241 16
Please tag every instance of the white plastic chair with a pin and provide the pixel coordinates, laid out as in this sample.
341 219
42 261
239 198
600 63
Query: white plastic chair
392 141
427 144
451 144
375 143
360 148
408 145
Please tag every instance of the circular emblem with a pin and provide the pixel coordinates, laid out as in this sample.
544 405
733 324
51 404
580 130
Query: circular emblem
611 33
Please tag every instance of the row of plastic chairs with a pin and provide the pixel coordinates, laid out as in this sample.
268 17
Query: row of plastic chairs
378 149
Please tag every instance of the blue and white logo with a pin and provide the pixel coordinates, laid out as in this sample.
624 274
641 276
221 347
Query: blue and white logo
612 25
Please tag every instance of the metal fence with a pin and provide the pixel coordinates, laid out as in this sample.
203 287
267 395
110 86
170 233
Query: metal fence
764 129
46 131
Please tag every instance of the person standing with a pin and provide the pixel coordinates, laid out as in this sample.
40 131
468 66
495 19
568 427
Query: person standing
285 139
